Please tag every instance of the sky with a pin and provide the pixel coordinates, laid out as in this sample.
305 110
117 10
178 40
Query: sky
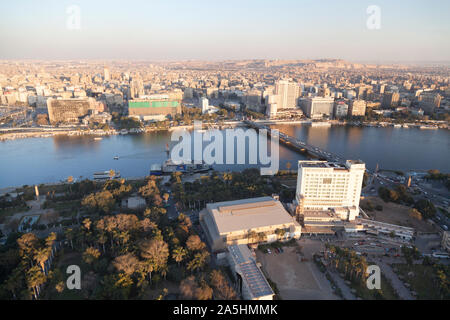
409 30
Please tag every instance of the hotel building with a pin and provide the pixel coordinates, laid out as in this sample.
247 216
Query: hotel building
329 186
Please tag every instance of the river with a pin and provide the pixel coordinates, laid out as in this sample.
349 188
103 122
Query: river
42 160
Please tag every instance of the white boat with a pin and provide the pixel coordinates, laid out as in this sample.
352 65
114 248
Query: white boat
124 131
98 138
105 175
428 127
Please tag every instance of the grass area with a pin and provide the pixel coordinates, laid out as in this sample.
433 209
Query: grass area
422 280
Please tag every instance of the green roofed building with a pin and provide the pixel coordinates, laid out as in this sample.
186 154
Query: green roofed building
156 107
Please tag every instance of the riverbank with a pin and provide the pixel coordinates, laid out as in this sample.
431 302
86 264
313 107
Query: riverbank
46 132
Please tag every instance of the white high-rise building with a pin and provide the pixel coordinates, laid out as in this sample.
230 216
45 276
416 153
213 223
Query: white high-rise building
323 185
288 93
205 104
106 74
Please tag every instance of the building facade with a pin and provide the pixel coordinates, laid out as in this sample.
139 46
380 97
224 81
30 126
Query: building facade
323 185
246 221
357 108
317 107
156 106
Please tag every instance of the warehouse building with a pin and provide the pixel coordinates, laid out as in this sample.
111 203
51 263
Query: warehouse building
246 221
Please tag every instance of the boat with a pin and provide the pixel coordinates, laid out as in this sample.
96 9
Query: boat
116 158
428 127
185 167
397 125
105 175
124 131
156 170
98 138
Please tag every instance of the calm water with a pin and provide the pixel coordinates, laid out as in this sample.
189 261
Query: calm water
392 148
39 160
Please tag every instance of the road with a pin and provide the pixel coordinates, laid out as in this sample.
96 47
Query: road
396 283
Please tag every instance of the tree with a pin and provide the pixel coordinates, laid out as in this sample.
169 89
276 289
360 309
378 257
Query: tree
27 244
126 263
198 261
41 256
187 288
178 254
156 252
90 255
426 208
35 278
222 290
194 243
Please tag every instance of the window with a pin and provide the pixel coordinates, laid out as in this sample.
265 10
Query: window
326 180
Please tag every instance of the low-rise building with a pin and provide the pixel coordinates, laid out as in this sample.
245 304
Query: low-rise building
251 282
246 221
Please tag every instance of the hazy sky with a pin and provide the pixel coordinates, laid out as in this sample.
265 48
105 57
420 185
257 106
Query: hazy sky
411 30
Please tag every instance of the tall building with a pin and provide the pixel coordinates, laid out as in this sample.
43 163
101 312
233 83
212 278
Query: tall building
69 110
429 101
340 109
357 108
317 107
204 104
390 99
323 185
106 74
156 107
288 93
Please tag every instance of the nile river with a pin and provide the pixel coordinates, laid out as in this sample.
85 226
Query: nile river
41 160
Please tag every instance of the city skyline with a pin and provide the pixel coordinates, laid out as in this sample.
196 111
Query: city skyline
408 31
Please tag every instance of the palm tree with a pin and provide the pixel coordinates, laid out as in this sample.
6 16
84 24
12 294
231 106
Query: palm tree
126 263
178 254
35 278
41 256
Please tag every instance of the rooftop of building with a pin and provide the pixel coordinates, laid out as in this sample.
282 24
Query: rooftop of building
245 214
328 165
251 274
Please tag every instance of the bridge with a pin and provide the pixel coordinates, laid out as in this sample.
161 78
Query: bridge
298 145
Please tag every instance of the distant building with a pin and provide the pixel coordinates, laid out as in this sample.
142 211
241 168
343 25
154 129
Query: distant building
247 221
390 99
288 93
155 107
340 109
69 110
357 108
106 74
429 101
323 185
317 107
204 105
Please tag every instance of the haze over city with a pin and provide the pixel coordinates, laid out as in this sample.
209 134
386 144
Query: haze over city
212 30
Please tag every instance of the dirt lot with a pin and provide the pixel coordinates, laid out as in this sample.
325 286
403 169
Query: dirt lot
295 280
396 214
